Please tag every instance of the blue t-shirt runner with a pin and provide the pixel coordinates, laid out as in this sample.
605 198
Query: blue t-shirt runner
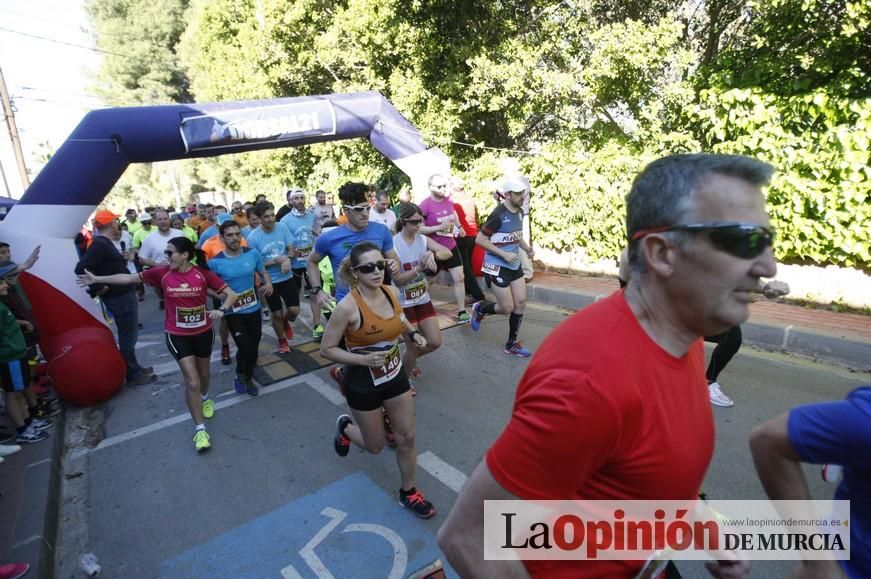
272 244
238 273
337 243
300 227
840 433
505 230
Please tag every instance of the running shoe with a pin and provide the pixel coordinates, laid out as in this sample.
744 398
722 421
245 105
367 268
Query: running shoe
463 317
516 348
239 385
389 435
41 424
283 347
477 316
717 396
142 379
14 570
318 332
225 355
341 443
44 410
7 449
202 440
417 504
208 408
265 315
6 436
30 436
337 375
288 330
250 388
832 473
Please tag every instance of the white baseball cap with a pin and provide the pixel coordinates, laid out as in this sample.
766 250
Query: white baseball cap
511 184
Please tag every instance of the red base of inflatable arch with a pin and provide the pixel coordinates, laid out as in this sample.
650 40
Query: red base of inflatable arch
85 365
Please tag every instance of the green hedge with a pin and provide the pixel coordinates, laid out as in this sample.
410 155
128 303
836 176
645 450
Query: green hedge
819 200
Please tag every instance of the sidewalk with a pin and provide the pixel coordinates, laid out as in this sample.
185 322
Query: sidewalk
838 338
30 479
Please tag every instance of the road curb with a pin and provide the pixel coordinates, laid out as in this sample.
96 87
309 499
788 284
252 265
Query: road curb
843 351
35 535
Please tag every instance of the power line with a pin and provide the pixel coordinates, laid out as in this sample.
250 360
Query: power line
67 92
61 22
74 45
87 106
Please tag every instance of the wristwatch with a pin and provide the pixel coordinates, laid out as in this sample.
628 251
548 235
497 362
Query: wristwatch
315 290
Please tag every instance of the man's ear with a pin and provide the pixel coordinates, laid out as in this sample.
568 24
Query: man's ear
659 253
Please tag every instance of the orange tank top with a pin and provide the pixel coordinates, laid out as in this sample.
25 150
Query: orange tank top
374 330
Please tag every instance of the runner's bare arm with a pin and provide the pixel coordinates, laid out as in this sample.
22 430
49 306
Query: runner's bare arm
346 314
89 278
485 242
314 277
461 538
441 252
392 261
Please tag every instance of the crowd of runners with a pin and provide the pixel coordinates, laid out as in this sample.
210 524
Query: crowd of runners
698 244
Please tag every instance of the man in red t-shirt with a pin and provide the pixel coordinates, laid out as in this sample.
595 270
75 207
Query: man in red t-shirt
590 423
464 205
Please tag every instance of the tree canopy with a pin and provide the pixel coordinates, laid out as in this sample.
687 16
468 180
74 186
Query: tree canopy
582 93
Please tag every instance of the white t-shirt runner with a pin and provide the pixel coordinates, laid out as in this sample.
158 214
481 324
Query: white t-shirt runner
415 291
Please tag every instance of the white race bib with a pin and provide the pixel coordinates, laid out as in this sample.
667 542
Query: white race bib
189 318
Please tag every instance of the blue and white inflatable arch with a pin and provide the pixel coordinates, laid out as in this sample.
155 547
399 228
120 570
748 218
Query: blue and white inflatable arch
85 168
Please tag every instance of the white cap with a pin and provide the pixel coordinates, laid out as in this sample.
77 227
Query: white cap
145 217
511 184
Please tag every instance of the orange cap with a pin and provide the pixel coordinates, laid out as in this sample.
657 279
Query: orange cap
104 218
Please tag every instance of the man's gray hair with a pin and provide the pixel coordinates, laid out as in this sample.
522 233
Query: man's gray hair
662 194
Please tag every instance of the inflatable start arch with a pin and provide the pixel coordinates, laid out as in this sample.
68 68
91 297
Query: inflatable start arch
84 362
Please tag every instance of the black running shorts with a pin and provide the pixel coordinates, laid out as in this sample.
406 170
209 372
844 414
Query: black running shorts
505 276
363 396
199 345
283 291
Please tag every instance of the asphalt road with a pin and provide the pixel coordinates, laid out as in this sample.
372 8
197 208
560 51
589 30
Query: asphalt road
271 499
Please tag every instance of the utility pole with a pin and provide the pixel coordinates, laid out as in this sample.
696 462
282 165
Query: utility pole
9 115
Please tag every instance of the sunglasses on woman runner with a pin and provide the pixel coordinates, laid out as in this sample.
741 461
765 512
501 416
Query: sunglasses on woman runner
417 221
370 267
743 240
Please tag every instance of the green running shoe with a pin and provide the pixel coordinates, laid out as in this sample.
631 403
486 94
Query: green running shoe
201 440
208 408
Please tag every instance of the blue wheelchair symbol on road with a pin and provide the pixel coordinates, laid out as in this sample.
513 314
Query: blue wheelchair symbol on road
350 528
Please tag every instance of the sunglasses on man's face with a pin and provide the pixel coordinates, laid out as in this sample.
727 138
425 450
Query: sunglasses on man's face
356 208
168 254
742 240
381 265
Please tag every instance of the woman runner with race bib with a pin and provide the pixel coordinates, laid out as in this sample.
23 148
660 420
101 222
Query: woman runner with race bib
417 253
363 334
188 324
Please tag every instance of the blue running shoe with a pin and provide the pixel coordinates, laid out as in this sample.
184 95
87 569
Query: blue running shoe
477 316
516 348
239 385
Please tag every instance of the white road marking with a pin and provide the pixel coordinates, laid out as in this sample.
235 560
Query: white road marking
450 476
167 422
328 391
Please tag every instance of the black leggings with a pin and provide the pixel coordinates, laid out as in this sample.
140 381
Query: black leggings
466 245
246 330
728 344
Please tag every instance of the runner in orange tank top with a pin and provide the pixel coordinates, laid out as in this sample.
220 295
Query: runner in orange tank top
363 334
